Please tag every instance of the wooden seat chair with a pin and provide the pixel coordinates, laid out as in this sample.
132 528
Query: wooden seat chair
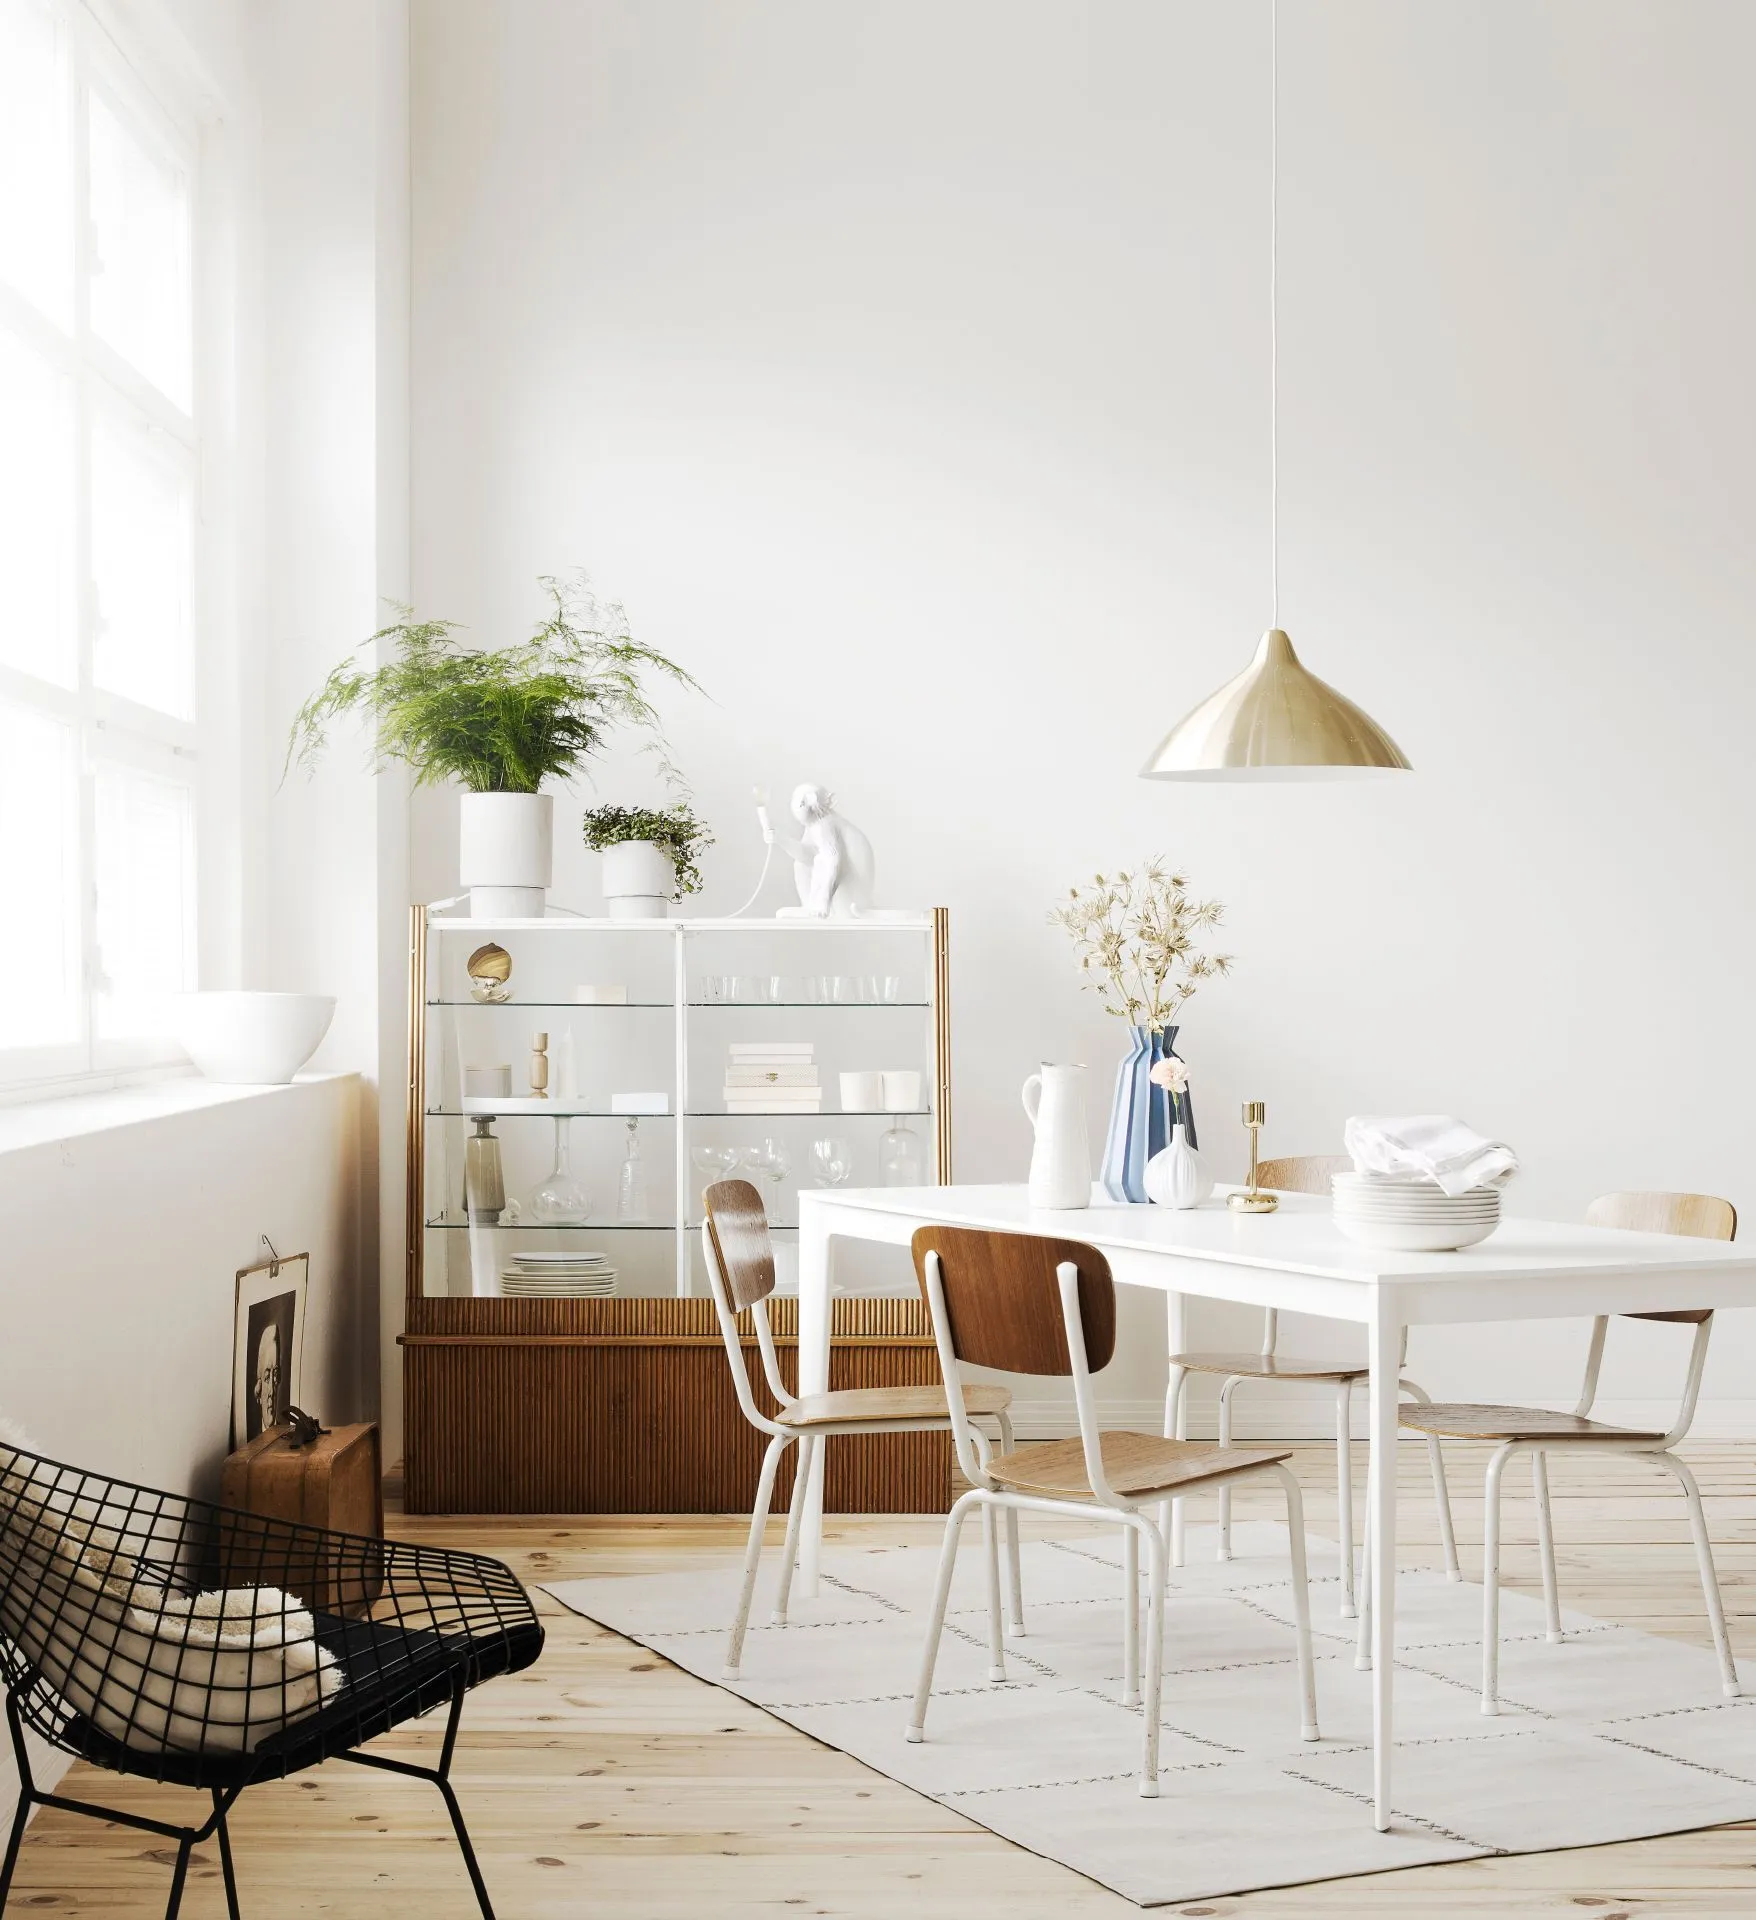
1048 1307
1309 1173
1537 1432
740 1271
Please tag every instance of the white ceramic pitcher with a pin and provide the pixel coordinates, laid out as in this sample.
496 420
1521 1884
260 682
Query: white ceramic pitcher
1060 1162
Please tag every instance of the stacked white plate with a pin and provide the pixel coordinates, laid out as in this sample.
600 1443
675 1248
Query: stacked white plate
558 1276
1412 1215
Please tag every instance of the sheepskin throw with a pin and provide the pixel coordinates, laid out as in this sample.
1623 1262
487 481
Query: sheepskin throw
121 1642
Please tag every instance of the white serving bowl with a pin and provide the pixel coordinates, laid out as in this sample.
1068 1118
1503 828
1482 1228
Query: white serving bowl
1409 1236
250 1039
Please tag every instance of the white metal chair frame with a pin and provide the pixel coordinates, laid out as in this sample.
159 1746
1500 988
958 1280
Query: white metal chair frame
1646 1446
1177 1427
1125 1510
782 1435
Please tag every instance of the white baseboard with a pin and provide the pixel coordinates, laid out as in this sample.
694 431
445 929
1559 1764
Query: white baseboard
47 1765
1296 1415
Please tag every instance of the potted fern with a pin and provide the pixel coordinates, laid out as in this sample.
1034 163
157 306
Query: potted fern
507 723
649 856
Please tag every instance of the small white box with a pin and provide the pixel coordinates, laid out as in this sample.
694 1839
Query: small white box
640 1103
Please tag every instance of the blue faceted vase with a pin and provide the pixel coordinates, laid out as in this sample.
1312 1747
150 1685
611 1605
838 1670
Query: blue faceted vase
1141 1115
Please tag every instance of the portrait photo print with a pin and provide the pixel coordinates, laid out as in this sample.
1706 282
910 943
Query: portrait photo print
267 1345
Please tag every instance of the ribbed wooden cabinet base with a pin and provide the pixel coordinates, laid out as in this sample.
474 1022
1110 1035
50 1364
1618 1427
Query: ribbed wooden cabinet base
627 1406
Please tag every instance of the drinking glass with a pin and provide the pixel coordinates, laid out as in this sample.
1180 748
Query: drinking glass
832 1161
818 990
887 988
746 987
846 989
715 989
716 1160
769 1160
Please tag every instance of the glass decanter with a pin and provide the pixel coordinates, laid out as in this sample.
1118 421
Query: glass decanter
561 1201
633 1202
899 1158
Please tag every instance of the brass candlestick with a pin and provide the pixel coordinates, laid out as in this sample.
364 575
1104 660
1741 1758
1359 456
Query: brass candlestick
1253 1199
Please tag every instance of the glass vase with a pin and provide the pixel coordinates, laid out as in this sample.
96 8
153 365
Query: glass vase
561 1201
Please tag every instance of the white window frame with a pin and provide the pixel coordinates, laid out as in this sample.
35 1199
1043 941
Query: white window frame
113 731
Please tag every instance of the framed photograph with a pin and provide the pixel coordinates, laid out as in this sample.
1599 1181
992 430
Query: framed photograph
268 1345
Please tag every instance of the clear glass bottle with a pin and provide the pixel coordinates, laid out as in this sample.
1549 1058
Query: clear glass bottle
561 1201
633 1202
900 1163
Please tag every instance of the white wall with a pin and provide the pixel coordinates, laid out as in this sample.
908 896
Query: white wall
904 369
118 1280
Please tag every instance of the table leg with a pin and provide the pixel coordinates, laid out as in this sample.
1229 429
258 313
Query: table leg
816 1245
1176 1411
1386 1348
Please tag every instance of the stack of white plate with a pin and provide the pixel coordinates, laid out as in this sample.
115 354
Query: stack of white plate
1412 1215
558 1276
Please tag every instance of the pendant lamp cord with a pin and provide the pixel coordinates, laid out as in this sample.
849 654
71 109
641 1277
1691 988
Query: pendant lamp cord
1274 309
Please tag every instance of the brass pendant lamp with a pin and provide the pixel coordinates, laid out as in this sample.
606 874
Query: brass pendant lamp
1276 720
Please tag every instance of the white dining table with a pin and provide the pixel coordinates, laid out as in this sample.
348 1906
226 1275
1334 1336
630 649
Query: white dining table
1296 1260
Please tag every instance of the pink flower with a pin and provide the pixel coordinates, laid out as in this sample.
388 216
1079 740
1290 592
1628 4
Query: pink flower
1171 1072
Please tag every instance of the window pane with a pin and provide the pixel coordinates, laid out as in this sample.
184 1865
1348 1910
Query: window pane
37 618
39 828
36 158
145 900
143 630
141 296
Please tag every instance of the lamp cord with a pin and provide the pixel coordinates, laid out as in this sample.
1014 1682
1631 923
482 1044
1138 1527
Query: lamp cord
1274 310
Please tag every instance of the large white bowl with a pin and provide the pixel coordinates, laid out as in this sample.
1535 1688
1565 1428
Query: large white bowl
250 1039
1407 1236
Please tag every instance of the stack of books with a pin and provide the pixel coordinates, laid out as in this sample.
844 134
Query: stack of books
772 1076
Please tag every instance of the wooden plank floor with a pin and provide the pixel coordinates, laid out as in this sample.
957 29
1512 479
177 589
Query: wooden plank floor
606 1784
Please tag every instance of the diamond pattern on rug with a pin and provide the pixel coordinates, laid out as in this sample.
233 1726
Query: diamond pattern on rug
1612 1735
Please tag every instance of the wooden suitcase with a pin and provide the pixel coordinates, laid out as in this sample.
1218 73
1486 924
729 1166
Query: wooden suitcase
336 1483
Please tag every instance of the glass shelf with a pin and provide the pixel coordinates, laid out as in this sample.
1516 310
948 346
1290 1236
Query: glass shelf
548 1113
569 1006
558 1226
704 1006
694 1113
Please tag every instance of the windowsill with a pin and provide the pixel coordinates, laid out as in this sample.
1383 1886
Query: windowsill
39 1123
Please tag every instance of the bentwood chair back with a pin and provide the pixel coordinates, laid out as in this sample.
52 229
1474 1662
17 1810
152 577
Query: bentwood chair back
1298 1173
1048 1307
739 1256
1003 1300
1539 1432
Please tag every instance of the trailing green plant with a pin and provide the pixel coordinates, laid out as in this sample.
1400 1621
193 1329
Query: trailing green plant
502 720
674 828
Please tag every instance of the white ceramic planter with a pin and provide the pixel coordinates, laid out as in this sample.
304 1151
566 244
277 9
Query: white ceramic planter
639 880
250 1039
506 853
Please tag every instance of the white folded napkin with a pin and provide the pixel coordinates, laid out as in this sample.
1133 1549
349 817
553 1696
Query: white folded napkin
1435 1145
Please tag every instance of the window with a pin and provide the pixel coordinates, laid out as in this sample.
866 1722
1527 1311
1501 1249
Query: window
101 705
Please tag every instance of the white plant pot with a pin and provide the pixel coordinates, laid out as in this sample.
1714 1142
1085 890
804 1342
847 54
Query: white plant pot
506 853
639 880
250 1039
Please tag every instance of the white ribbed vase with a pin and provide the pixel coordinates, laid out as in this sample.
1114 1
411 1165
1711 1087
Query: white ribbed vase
1175 1177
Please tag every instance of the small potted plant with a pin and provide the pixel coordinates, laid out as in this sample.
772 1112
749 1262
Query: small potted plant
508 723
649 856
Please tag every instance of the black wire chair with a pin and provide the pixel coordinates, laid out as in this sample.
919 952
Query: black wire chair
200 1647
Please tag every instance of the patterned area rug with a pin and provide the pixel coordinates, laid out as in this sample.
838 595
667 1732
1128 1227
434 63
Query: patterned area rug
1613 1735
